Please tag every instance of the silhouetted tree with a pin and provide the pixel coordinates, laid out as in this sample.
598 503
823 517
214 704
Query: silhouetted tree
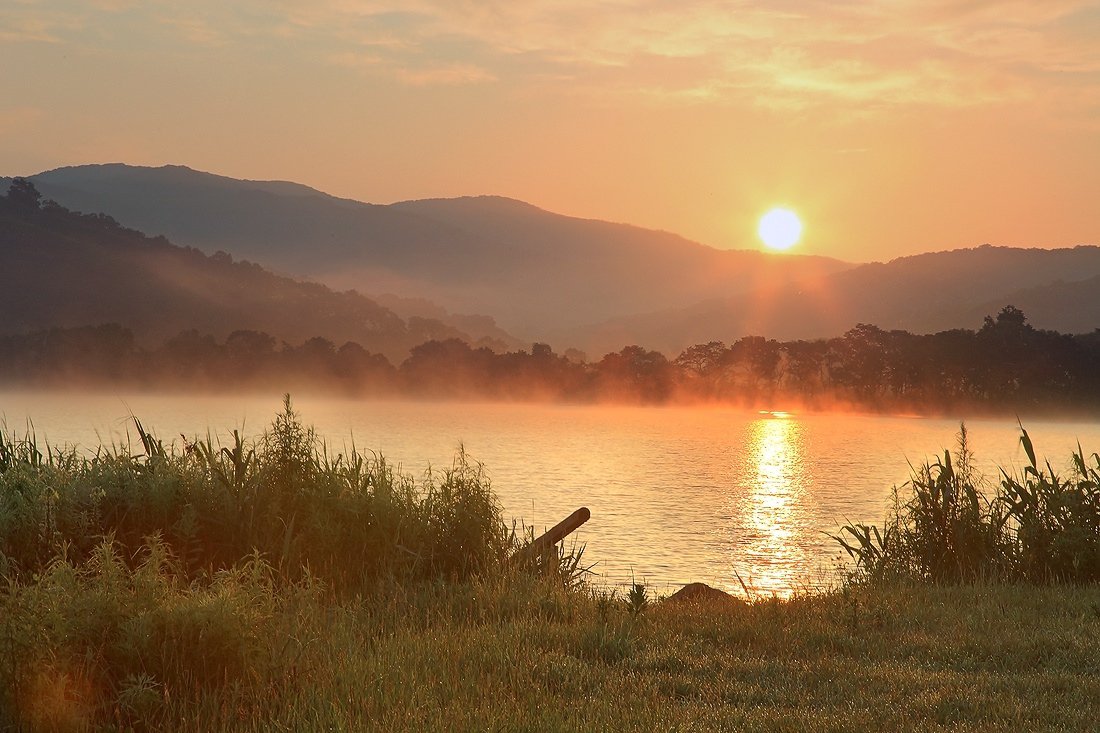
701 359
805 367
249 353
636 373
448 368
23 197
363 372
860 360
1010 320
193 356
749 369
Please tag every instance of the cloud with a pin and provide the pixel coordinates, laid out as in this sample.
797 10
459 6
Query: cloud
193 28
776 54
427 75
23 22
446 75
772 53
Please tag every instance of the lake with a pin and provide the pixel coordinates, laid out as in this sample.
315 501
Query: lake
677 495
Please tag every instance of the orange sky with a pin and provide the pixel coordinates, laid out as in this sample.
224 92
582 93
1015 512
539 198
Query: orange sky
892 127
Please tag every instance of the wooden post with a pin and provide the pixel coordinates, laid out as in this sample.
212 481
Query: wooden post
555 534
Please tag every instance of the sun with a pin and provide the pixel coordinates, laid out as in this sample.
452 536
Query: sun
780 229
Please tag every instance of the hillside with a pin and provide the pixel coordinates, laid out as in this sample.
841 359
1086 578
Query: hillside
922 294
537 273
63 269
573 282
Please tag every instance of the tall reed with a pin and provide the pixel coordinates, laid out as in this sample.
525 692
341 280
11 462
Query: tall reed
953 527
347 517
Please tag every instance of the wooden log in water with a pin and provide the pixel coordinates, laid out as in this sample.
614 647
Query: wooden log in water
555 534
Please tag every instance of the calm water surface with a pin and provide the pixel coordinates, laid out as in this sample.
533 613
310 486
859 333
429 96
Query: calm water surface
677 494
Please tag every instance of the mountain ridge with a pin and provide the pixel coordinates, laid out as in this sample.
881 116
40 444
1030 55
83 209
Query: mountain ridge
63 269
577 282
538 273
923 293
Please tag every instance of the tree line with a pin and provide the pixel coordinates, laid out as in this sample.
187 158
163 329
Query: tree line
1005 365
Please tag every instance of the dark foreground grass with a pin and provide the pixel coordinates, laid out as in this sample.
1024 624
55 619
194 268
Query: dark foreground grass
958 659
270 586
520 653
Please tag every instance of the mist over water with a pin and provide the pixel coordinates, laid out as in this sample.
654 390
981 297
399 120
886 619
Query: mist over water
677 494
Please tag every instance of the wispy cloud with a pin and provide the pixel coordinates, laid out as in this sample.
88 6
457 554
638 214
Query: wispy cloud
779 54
26 21
195 28
449 74
772 53
371 62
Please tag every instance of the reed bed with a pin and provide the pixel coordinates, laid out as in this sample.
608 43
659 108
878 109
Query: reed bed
954 526
347 518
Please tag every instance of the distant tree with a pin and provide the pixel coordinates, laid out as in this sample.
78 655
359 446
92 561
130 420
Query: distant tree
1010 319
103 352
701 359
448 367
249 352
541 351
636 373
317 349
757 359
23 197
191 354
861 360
805 367
362 370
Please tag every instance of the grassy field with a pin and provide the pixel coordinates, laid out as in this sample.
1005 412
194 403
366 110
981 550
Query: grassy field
523 654
271 586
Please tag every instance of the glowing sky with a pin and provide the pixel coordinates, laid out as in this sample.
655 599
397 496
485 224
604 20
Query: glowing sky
890 126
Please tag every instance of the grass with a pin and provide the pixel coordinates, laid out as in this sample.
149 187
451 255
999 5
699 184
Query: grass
1039 527
371 601
524 655
347 518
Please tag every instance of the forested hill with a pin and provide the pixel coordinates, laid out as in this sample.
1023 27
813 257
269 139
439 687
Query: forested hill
925 293
59 268
536 272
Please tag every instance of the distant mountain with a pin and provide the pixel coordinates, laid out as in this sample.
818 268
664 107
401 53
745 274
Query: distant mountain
63 269
1069 307
1057 289
574 282
537 273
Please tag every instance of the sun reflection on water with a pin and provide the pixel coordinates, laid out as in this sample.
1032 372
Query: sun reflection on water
772 548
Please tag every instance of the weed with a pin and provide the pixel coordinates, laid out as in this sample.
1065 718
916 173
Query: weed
637 598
